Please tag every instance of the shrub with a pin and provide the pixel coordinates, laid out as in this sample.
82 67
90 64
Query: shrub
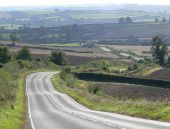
5 55
58 57
94 89
24 54
38 59
1 65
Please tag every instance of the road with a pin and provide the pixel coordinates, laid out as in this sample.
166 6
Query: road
49 109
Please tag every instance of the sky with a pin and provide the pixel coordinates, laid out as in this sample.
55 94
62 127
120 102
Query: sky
78 2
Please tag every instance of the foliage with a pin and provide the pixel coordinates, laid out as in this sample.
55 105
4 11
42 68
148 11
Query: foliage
24 54
134 67
5 55
99 77
7 91
94 89
13 38
12 98
125 20
58 57
129 106
159 50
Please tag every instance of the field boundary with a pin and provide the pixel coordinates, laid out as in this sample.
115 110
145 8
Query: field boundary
99 77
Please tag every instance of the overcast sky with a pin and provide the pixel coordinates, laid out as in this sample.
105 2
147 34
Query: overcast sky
78 2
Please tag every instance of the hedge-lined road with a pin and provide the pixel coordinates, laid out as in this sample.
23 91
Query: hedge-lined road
49 109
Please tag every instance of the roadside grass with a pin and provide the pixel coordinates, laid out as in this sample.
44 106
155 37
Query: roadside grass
13 118
137 107
151 70
13 111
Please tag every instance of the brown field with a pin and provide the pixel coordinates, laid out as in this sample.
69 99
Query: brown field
139 50
133 91
163 74
75 57
74 53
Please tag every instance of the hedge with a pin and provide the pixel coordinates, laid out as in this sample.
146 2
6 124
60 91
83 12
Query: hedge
98 77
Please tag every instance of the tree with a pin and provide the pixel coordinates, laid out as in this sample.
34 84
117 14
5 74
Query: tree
156 20
159 50
24 54
1 37
13 38
164 20
58 57
128 20
121 20
5 55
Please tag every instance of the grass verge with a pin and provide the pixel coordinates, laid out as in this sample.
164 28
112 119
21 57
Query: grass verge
16 118
13 118
137 107
147 72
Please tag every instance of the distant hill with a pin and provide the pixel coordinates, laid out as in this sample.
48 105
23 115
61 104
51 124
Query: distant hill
133 33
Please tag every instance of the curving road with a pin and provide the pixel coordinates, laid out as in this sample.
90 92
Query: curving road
49 109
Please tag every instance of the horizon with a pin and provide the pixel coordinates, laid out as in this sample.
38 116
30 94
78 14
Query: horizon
33 3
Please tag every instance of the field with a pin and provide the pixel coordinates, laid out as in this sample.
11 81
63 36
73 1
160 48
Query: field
163 74
106 32
134 92
61 17
76 55
124 99
139 50
61 45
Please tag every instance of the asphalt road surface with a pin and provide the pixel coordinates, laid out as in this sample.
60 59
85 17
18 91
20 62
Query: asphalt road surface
49 109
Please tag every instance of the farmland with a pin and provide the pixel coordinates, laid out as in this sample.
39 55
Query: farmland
137 49
133 91
104 63
61 17
76 54
61 45
133 100
163 74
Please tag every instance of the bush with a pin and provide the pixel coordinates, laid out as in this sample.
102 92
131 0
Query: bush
94 89
24 64
7 89
24 54
5 55
58 57
38 59
1 65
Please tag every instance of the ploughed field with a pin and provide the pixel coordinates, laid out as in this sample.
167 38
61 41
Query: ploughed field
126 91
163 74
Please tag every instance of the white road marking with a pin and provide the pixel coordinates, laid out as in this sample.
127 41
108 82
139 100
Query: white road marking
109 124
29 109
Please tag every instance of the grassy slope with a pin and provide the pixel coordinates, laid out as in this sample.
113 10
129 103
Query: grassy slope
118 68
13 118
129 106
16 118
150 71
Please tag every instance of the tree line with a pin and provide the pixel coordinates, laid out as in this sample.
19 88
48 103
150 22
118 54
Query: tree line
125 20
159 52
57 56
163 20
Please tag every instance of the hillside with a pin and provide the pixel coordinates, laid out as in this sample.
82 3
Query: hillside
102 33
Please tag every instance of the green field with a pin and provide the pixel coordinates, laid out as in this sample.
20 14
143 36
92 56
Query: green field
61 45
113 15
